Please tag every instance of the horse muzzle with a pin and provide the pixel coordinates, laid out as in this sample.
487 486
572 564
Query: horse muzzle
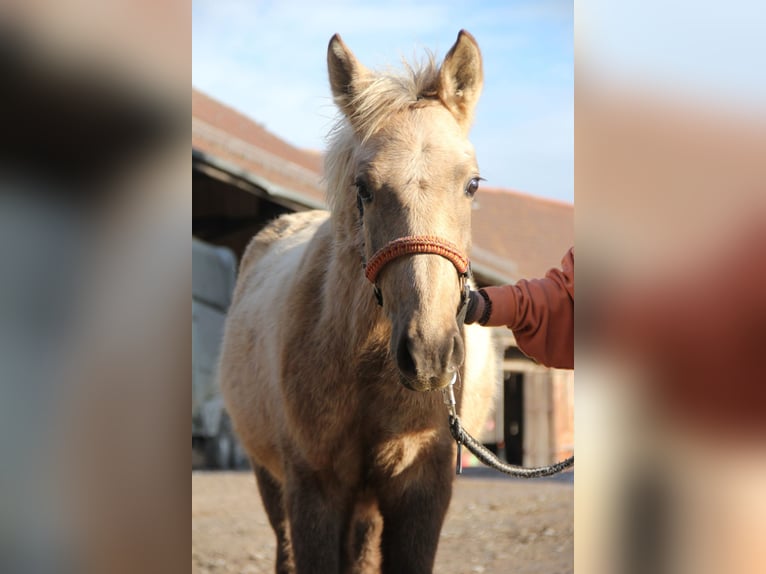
427 365
426 360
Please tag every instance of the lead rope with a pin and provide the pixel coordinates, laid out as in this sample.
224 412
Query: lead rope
486 456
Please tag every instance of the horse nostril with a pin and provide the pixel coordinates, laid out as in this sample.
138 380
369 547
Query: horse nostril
458 351
419 361
404 359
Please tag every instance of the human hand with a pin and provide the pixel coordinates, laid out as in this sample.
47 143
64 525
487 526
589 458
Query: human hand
477 305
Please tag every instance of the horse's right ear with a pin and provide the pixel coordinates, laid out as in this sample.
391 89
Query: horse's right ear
345 74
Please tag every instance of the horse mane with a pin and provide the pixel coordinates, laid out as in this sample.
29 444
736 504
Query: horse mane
380 95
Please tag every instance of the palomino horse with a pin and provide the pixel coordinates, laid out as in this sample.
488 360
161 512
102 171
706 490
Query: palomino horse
329 388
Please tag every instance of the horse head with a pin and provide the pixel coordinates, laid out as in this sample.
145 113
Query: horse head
411 172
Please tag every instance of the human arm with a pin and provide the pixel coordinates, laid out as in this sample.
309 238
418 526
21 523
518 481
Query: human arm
540 312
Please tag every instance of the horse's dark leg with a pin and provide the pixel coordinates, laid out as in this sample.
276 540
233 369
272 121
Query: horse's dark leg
318 515
413 513
364 539
273 502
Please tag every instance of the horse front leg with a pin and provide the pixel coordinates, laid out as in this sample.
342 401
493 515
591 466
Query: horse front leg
413 513
364 537
273 503
318 516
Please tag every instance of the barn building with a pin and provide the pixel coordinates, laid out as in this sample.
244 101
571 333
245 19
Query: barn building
244 176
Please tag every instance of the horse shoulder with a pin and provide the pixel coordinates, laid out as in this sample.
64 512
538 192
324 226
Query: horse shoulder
276 236
249 370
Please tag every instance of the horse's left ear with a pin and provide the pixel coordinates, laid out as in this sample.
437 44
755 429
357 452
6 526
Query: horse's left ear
461 79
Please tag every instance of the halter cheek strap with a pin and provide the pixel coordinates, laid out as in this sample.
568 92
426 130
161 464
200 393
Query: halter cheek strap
419 244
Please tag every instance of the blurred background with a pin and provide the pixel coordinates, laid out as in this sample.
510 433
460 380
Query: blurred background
95 279
670 324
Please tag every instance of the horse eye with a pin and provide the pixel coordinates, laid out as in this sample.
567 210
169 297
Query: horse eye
472 187
362 191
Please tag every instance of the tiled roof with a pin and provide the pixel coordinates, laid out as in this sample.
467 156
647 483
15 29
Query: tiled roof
228 135
519 235
515 235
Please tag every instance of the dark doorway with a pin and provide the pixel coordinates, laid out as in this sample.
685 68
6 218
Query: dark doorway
513 410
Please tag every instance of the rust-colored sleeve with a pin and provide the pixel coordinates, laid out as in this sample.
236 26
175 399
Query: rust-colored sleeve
540 312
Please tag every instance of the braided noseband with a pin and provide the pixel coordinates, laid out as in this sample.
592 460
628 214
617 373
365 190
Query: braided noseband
411 245
418 244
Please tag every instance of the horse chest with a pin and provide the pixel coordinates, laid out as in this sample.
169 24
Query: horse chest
393 456
366 426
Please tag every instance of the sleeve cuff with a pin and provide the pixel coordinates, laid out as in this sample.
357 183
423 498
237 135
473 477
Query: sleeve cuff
502 306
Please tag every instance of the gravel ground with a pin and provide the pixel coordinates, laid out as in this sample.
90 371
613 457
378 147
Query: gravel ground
494 525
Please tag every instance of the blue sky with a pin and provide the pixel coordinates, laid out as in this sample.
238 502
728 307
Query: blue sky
267 59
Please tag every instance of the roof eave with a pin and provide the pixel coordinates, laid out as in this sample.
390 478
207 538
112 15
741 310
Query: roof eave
277 193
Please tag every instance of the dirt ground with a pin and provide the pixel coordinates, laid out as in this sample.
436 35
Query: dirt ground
494 525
